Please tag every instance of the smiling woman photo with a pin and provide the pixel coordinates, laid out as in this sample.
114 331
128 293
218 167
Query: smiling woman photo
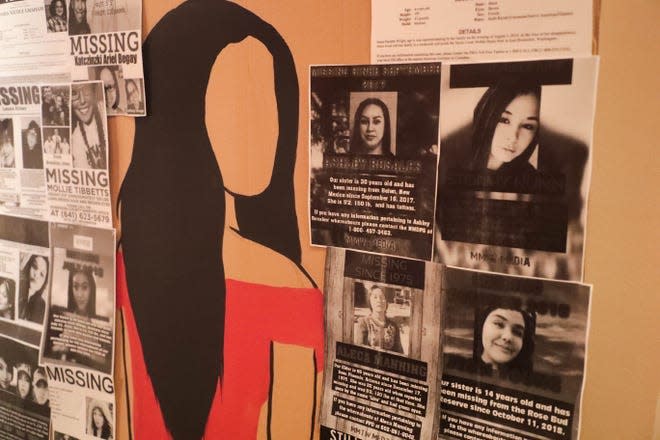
88 140
504 338
57 21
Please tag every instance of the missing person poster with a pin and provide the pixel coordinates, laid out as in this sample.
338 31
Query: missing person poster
24 395
373 158
513 356
105 44
33 43
22 179
80 325
424 30
78 344
514 171
25 274
382 347
75 151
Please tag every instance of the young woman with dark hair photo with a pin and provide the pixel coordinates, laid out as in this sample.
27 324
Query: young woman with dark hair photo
505 127
377 330
504 338
371 129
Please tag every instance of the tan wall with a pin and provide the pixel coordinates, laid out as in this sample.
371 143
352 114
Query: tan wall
623 361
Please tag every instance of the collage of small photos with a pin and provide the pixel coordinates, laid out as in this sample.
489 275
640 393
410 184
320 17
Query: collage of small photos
75 64
449 182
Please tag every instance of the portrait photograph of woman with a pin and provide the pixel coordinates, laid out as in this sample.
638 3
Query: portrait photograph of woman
78 24
504 338
99 418
56 16
514 165
88 126
7 152
7 297
34 273
81 297
382 317
31 141
373 127
134 95
112 78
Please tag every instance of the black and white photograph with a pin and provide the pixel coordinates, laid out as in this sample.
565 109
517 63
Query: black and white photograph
521 338
373 157
382 316
25 272
23 391
82 297
114 87
55 105
33 155
56 140
134 95
382 345
7 146
89 142
514 166
78 24
100 418
7 299
56 15
35 271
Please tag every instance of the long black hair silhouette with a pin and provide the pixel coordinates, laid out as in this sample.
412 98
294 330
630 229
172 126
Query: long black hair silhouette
173 206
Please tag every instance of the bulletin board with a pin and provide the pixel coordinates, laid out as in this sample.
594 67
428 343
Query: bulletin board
241 121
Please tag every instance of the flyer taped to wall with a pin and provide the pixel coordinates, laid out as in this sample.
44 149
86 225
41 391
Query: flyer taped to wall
22 178
373 157
75 151
78 343
54 152
382 347
25 275
105 44
447 30
515 166
33 41
513 356
80 326
24 394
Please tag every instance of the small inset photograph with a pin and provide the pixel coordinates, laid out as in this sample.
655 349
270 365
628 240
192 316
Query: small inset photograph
56 140
55 105
88 135
32 296
32 147
99 418
7 298
112 78
381 316
56 16
135 95
7 152
373 123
